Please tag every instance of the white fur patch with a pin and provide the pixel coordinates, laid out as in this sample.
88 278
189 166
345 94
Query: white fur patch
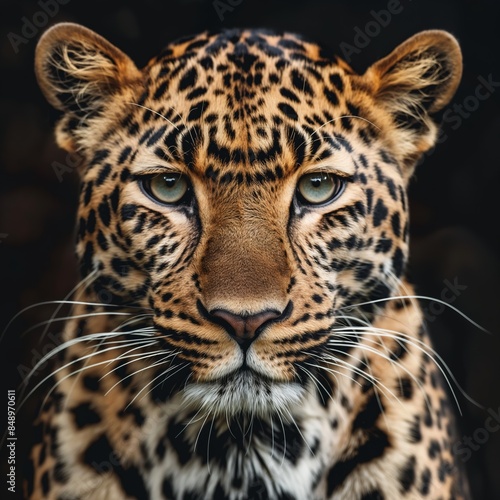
244 392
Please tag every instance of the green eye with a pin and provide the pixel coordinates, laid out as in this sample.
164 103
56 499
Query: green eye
168 188
319 188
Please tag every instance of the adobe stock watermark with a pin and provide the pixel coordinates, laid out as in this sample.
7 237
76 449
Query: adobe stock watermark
37 355
450 292
455 115
468 444
39 20
73 161
223 6
363 36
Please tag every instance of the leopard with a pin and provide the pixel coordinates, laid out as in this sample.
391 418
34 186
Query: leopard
245 327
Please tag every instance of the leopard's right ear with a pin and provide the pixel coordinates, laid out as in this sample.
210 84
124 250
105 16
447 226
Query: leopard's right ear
416 80
78 70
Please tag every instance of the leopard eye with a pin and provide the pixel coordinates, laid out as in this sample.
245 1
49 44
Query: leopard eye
169 188
319 188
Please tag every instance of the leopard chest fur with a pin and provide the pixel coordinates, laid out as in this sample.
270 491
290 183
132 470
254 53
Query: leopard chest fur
195 456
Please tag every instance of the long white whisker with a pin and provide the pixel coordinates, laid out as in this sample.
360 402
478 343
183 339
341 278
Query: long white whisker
417 343
149 355
172 371
199 431
77 340
86 281
45 303
78 316
339 118
317 383
419 297
67 365
336 361
369 349
153 111
298 430
208 445
425 348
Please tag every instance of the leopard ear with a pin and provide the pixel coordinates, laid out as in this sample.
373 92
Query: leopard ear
416 80
78 71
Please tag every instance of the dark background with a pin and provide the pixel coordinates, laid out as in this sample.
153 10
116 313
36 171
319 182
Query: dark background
454 195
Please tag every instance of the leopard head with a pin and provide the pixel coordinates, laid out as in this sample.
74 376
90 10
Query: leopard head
247 189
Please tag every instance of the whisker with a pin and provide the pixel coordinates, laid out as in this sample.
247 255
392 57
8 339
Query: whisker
78 316
441 365
376 352
48 377
339 118
67 365
154 112
331 370
299 431
316 381
86 281
194 420
336 361
149 355
422 346
208 445
280 417
393 365
142 343
86 338
199 431
157 377
38 304
419 297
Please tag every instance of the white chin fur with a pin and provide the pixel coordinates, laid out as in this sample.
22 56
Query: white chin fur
244 393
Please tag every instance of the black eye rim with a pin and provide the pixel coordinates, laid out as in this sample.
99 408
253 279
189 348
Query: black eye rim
185 200
340 180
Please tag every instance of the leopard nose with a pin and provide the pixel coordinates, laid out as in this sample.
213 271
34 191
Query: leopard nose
245 328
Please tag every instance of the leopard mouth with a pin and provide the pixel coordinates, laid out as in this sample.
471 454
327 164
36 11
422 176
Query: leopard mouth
243 391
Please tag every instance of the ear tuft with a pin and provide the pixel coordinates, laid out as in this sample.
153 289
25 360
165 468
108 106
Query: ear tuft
77 69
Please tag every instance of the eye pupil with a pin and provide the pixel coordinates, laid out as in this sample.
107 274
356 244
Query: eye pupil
316 182
170 181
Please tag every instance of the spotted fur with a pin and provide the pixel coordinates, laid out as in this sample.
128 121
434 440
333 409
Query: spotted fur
243 344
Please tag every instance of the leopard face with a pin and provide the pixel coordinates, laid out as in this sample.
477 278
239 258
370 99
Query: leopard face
247 190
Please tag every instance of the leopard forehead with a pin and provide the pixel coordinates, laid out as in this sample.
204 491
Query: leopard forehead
247 106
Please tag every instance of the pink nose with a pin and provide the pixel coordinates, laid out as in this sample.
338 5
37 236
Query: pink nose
245 329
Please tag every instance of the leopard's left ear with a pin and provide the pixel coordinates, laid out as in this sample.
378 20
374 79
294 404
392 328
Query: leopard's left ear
414 81
79 72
